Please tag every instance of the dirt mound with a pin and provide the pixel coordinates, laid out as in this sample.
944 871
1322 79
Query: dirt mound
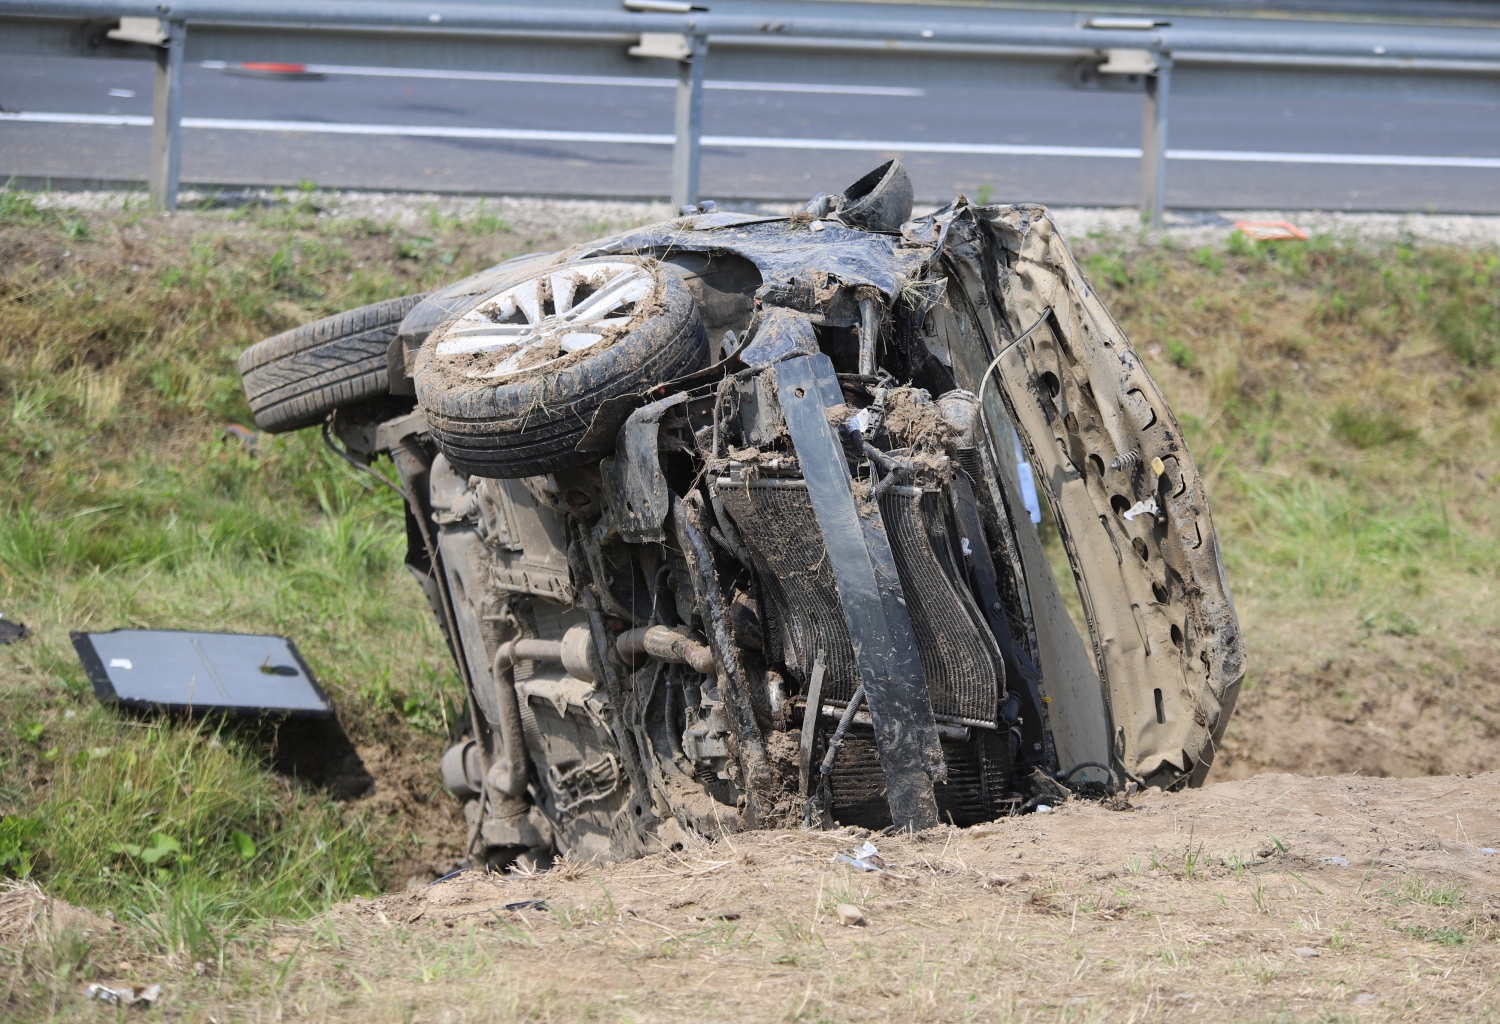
1383 705
28 914
1277 897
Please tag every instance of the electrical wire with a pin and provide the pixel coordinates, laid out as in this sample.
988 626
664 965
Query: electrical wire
1006 348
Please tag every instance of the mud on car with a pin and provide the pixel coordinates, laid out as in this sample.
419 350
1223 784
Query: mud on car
728 522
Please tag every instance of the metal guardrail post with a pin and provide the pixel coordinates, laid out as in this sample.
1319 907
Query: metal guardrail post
1154 142
689 127
166 117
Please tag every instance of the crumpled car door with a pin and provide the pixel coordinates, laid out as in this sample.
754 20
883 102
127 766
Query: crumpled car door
1129 504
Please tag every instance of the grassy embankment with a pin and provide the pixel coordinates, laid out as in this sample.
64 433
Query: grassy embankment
125 505
1339 399
1341 404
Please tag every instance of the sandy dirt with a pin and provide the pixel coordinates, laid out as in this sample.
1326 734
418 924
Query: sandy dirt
1278 898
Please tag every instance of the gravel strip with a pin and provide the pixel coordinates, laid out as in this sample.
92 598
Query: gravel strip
1087 226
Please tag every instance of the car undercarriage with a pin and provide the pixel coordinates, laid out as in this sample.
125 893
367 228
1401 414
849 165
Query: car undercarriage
730 523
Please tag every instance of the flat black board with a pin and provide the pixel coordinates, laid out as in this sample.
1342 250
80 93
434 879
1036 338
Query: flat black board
206 673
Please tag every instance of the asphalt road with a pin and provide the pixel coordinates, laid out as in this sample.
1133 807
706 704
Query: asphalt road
375 131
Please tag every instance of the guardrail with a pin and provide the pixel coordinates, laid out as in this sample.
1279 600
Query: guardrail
914 43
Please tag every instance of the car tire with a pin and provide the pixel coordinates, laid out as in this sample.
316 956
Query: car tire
530 426
296 378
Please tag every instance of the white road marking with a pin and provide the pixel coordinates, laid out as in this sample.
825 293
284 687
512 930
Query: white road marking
757 141
599 80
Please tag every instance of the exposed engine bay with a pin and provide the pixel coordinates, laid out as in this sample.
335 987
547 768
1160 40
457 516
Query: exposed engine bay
730 524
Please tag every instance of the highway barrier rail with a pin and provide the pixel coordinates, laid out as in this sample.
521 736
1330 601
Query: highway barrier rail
884 45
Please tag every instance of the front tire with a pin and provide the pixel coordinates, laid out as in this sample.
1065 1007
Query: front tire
527 422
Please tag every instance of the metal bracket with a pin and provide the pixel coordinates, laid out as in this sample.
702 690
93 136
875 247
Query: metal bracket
869 589
634 488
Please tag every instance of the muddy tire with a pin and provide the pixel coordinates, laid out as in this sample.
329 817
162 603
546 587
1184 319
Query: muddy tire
296 378
530 426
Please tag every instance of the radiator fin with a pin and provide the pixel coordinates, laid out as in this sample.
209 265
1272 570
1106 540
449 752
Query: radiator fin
780 529
959 657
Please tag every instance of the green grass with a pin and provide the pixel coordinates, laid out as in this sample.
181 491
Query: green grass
1339 399
130 507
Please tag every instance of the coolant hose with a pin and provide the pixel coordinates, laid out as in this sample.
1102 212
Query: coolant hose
510 771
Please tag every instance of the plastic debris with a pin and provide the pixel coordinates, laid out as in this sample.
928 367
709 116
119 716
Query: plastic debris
526 905
1342 862
1270 231
1028 483
850 916
1141 508
1044 808
161 670
1487 849
11 630
1305 952
865 858
246 438
118 993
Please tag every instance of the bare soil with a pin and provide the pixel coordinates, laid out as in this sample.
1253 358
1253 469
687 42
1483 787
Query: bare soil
1278 898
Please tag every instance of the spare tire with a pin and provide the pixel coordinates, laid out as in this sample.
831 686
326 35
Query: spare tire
510 386
296 378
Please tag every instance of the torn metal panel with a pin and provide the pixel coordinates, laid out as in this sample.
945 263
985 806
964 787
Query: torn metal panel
784 249
1102 438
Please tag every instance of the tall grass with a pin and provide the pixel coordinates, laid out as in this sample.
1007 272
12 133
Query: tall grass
1339 399
126 505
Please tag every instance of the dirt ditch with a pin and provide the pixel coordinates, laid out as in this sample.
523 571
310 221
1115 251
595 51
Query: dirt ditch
1276 898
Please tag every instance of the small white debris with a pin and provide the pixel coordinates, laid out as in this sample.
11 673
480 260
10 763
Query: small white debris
123 94
1043 809
817 225
1342 862
850 916
117 993
1487 849
865 858
1305 952
120 663
1141 508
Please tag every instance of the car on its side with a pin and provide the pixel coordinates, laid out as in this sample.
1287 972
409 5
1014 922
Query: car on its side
729 522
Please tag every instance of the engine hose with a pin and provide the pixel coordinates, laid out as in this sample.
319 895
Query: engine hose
886 482
1114 780
837 739
511 770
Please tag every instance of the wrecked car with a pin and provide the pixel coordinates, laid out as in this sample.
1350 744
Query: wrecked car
726 523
